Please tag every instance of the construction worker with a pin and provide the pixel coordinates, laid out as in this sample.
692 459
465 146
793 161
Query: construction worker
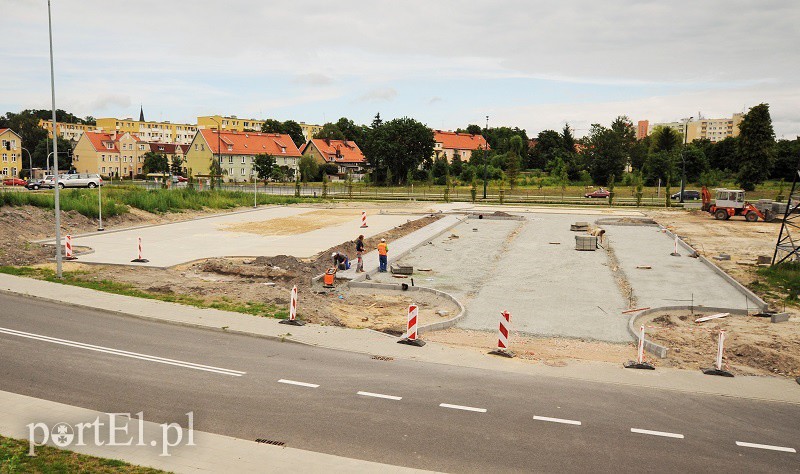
383 251
340 261
359 253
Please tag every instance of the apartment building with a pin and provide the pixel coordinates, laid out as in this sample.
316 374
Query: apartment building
164 132
236 152
67 131
452 144
712 129
110 154
343 153
10 153
310 130
229 123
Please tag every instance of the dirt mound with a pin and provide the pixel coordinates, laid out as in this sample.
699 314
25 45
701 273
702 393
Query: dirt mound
251 269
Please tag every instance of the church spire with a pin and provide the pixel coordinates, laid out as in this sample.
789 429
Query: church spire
141 113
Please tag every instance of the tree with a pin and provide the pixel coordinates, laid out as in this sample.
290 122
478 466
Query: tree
664 139
264 165
756 147
440 169
155 163
330 131
216 171
787 156
176 166
659 165
272 126
308 168
352 131
294 130
456 166
696 162
45 147
567 140
608 149
395 147
512 166
722 155
543 155
473 129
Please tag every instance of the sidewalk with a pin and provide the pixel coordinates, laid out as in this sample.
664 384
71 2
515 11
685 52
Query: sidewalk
211 452
375 343
400 247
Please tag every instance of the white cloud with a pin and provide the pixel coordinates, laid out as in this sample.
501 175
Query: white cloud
378 95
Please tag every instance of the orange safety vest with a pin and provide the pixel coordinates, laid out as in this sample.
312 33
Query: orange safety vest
383 249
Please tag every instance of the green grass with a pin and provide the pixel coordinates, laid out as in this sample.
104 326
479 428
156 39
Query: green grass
14 459
783 279
117 200
85 280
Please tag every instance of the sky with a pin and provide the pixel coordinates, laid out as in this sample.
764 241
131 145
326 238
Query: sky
532 64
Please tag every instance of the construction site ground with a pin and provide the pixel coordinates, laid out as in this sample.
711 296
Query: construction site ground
577 297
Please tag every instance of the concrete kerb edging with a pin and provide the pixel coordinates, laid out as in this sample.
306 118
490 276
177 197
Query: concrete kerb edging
427 327
761 305
657 349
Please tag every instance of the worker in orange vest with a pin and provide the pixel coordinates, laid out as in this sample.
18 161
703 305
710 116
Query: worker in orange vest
383 250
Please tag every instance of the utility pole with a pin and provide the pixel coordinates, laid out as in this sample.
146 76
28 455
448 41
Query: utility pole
485 158
55 146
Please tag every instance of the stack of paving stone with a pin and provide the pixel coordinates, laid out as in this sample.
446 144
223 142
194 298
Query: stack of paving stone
586 242
579 227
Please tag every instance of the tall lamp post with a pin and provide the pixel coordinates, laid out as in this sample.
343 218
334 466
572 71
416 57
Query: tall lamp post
55 145
30 163
683 153
485 159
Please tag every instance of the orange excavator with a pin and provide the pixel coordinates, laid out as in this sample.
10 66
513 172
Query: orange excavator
730 202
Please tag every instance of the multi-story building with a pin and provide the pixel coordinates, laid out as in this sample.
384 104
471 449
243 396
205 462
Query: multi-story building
712 129
110 154
171 151
10 153
236 152
229 123
310 130
67 131
642 129
343 153
166 132
452 144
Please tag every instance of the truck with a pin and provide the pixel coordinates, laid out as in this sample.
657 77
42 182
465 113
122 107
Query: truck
731 202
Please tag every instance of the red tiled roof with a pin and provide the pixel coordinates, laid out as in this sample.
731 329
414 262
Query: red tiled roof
99 140
3 130
167 148
460 141
338 151
250 143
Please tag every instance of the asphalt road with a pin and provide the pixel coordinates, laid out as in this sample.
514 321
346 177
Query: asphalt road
490 421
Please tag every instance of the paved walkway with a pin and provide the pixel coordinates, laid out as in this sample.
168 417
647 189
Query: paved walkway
211 452
172 244
402 246
375 343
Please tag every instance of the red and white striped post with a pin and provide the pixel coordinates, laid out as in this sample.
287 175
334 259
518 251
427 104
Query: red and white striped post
293 310
502 338
68 253
718 370
364 219
675 252
411 328
140 259
639 363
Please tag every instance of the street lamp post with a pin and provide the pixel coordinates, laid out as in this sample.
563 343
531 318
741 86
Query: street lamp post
30 163
485 159
683 155
55 145
100 227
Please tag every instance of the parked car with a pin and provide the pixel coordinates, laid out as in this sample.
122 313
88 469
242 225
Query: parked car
14 182
33 184
80 181
687 195
182 179
47 182
600 193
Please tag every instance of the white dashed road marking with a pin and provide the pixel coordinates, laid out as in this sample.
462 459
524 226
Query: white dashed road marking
766 446
379 395
657 433
557 420
461 407
302 384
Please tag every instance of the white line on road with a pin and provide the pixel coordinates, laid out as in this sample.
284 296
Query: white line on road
461 407
657 433
766 446
121 353
557 420
302 384
379 395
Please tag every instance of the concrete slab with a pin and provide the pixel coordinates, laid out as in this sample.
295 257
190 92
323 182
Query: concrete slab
671 280
172 244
